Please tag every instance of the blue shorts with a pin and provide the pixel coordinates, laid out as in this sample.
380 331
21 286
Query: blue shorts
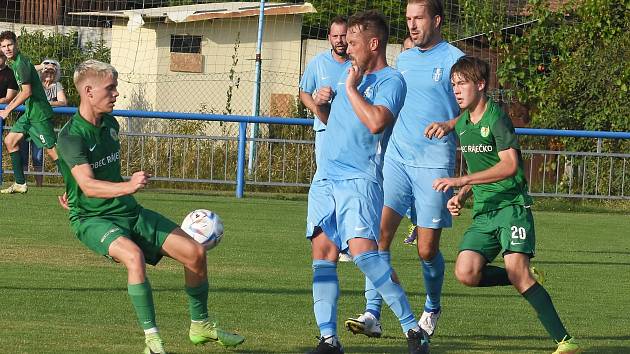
345 210
407 187
319 138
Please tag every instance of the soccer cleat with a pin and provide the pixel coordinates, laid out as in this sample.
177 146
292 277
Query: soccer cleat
537 274
204 332
15 188
568 346
329 345
428 321
417 341
412 235
344 257
154 344
365 324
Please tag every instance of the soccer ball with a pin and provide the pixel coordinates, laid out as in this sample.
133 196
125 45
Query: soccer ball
205 227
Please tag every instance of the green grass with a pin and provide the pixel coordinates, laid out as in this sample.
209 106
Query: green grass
58 297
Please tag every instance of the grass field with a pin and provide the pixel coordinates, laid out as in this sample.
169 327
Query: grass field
58 297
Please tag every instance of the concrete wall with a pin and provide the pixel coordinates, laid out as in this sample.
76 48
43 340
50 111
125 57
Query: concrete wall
86 34
142 57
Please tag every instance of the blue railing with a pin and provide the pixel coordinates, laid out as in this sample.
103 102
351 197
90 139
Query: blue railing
244 120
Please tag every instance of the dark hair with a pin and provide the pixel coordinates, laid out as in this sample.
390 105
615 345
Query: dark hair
434 7
8 35
339 20
371 21
472 69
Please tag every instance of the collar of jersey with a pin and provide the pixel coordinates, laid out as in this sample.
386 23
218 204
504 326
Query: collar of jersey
490 107
87 125
432 49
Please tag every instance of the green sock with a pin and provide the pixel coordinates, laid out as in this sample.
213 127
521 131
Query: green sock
198 302
540 300
142 301
494 276
18 172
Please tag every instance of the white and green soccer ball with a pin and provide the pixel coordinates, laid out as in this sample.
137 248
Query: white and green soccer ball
204 226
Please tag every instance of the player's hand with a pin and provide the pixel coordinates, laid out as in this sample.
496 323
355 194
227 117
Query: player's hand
454 205
139 180
437 130
444 184
63 200
355 75
323 96
4 114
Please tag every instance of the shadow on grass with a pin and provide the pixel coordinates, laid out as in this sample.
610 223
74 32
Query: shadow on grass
241 290
583 263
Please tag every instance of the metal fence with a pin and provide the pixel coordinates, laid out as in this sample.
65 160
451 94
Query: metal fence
289 164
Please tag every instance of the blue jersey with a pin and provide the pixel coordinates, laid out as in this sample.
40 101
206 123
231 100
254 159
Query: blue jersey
352 151
429 99
323 70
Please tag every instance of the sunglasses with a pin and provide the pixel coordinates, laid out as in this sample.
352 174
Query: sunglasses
47 62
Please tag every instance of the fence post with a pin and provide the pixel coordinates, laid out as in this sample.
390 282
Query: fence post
599 145
256 98
240 163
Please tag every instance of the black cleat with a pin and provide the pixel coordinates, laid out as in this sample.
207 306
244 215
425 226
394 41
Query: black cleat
328 345
418 341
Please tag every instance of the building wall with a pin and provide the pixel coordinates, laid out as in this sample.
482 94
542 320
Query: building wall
143 59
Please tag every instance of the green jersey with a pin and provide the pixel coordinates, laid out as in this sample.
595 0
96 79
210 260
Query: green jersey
80 142
37 107
481 144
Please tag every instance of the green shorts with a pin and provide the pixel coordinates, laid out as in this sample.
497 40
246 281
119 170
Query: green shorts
510 229
148 230
41 133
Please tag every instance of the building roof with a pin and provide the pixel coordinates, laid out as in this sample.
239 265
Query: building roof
202 12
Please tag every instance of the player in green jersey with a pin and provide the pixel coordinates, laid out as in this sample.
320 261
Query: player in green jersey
107 219
36 122
502 218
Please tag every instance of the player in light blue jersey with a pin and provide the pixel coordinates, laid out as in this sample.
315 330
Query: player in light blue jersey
360 119
321 74
413 161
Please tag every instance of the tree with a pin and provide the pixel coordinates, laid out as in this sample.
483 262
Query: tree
571 68
64 48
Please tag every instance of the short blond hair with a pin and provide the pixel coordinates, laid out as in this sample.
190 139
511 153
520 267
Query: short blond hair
93 68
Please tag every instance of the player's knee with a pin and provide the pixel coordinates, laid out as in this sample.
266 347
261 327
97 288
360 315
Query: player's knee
134 261
428 253
467 276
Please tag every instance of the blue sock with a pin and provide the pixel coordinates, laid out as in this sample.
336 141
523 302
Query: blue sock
380 274
325 295
433 272
373 300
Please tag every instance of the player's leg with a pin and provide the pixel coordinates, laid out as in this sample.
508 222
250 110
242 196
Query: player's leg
158 236
37 156
111 238
518 238
431 216
358 210
397 199
43 135
325 247
12 142
480 246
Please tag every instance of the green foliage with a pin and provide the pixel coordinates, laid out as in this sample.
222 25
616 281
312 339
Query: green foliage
64 48
181 2
571 68
475 17
316 25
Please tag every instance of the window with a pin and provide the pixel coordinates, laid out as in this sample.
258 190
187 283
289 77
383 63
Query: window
182 43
